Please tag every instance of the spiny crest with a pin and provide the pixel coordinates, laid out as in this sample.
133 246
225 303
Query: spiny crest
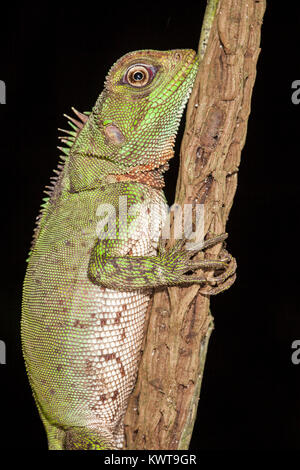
75 125
67 139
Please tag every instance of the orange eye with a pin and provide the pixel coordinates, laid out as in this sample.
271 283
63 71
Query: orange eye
139 75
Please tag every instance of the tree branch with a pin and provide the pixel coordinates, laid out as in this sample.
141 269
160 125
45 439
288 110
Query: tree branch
163 406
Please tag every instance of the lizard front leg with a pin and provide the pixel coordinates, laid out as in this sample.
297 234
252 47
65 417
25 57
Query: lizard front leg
170 267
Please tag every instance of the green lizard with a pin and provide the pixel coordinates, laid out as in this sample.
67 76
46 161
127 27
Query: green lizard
88 285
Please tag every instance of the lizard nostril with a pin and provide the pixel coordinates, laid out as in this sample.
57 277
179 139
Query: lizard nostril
178 56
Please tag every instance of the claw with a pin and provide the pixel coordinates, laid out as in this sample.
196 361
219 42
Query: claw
216 290
229 271
195 247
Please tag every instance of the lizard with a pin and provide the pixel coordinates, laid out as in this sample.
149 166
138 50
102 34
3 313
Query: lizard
91 270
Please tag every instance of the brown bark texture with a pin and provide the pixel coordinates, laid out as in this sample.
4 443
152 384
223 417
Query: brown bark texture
163 406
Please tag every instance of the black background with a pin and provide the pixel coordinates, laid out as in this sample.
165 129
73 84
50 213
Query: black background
54 57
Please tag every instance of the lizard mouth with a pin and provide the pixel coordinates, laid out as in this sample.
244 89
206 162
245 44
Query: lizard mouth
186 72
181 84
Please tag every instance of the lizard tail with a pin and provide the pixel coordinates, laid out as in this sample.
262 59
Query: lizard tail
80 438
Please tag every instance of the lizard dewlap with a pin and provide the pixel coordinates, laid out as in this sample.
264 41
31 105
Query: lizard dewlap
86 290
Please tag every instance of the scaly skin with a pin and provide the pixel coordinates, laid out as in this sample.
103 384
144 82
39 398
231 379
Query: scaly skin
85 297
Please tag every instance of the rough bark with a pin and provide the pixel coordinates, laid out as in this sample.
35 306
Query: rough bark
163 406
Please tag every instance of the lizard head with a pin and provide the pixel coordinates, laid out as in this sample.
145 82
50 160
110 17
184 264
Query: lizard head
134 122
145 94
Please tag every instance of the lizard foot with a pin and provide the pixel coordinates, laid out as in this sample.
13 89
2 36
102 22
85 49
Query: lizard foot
180 258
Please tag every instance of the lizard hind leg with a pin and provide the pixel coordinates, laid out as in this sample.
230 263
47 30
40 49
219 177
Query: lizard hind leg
80 438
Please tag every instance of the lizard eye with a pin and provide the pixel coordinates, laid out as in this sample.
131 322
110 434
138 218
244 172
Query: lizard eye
139 75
